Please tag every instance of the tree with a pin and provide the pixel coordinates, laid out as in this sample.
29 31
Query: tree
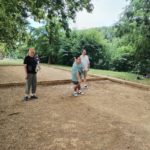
90 39
135 23
14 14
12 22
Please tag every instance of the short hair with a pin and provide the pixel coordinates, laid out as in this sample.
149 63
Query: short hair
76 56
84 49
31 50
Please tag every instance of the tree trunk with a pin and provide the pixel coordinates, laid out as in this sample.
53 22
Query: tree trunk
49 60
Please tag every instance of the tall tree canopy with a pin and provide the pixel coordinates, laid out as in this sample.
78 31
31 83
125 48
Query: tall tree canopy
14 14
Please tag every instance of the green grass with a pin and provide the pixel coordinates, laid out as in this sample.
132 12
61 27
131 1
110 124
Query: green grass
121 75
11 62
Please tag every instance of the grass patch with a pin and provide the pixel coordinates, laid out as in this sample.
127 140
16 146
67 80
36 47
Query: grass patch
7 61
121 75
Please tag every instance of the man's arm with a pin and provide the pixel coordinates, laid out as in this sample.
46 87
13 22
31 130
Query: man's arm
25 68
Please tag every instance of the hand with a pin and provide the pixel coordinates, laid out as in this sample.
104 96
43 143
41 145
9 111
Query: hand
26 77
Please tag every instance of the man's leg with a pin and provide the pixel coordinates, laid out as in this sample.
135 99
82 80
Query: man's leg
28 86
34 83
79 86
85 80
75 88
79 89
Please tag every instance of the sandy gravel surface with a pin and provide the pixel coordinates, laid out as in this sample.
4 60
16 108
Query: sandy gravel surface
109 116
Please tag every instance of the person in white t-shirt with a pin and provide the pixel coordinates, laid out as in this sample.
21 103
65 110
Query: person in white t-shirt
86 64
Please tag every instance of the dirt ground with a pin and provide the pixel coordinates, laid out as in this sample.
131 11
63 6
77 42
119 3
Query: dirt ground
109 116
15 74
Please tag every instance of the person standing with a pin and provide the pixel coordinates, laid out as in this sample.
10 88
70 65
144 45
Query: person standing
30 64
86 65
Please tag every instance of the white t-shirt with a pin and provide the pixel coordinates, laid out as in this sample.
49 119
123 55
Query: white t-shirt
85 61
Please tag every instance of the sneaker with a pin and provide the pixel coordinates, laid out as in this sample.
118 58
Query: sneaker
80 92
33 97
26 98
75 94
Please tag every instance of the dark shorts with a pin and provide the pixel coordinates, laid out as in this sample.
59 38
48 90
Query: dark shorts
75 82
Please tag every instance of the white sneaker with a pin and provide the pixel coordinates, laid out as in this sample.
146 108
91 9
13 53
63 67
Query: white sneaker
80 92
75 94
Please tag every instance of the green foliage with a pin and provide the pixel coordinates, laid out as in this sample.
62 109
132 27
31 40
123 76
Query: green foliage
135 25
62 49
8 61
2 50
46 42
96 47
12 22
14 14
122 55
91 40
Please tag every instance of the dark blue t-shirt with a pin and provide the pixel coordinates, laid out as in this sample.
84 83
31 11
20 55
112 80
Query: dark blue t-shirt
31 64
